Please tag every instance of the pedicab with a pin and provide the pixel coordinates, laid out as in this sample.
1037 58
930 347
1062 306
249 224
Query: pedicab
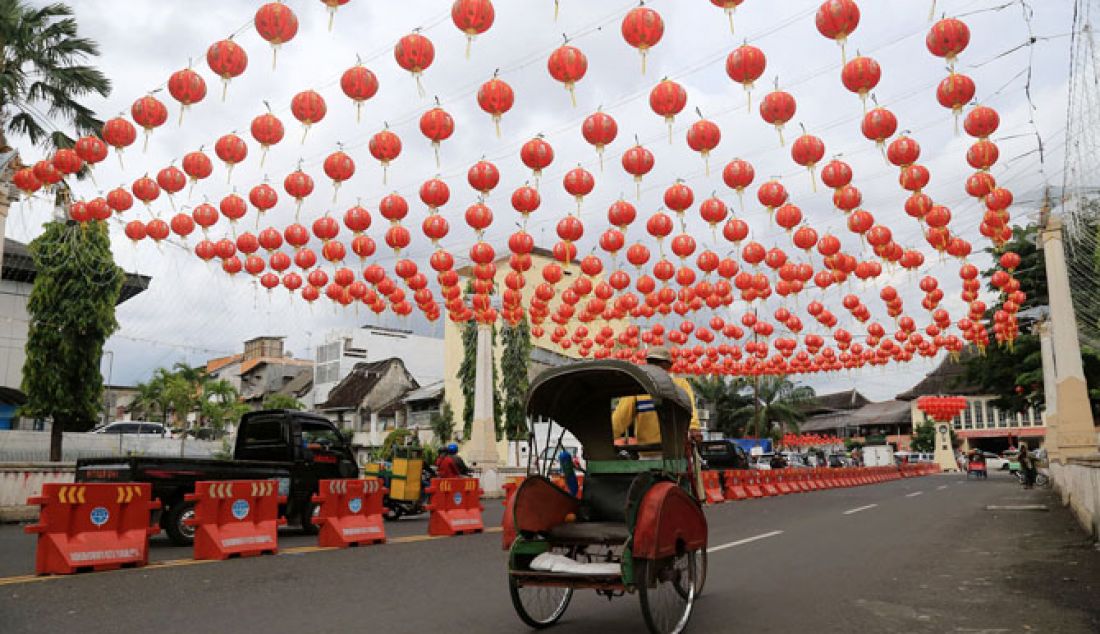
638 527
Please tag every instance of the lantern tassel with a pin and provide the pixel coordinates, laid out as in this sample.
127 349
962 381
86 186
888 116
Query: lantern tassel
469 43
145 145
225 87
842 41
335 191
229 173
748 96
435 147
638 186
779 129
263 155
813 180
182 109
419 85
274 56
331 17
496 122
385 172
599 153
305 131
669 121
572 94
556 7
643 61
729 14
741 199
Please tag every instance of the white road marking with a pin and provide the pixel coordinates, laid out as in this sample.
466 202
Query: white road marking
860 508
740 542
914 494
941 487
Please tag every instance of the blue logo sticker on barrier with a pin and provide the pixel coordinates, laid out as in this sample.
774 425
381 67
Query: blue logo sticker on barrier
99 516
355 505
458 499
240 509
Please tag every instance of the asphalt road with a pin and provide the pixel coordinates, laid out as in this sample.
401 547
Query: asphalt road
917 555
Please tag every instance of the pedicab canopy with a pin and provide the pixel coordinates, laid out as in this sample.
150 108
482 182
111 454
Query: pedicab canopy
579 397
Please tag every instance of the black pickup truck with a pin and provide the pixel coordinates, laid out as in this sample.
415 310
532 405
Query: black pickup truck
295 448
722 455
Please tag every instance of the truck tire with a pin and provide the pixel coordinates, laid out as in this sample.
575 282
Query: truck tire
178 532
304 519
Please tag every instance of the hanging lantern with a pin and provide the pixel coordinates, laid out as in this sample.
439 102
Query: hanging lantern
982 155
67 161
472 17
642 28
878 125
268 130
807 150
333 5
713 211
197 166
483 177
860 75
231 150
914 177
537 155
638 161
414 53
738 174
119 200
954 92
947 38
156 229
496 98
599 129
568 65
339 167
359 84
119 133
772 194
145 189
298 185
385 146
25 180
228 60
778 108
836 20
187 87
526 200
836 174
981 122
276 24
91 150
668 99
437 125
149 113
434 193
182 225
435 227
703 136
264 198
578 182
172 181
745 65
730 6
309 108
233 208
903 151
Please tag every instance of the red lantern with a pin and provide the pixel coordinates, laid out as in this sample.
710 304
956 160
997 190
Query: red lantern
277 24
703 136
668 99
638 162
227 60
738 174
119 133
578 182
679 197
66 161
483 177
861 75
954 92
298 185
90 149
526 200
309 108
156 229
434 193
438 126
642 28
197 166
807 150
472 17
233 207
435 227
788 216
903 151
914 177
599 129
836 19
339 167
981 122
947 38
145 189
495 97
231 150
414 53
568 65
263 197
187 87
778 108
771 194
745 65
268 130
26 181
713 211
537 155
393 207
982 155
182 225
119 200
359 84
333 5
135 231
385 146
479 217
149 113
171 180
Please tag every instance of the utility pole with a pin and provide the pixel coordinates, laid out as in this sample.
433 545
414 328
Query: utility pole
1070 432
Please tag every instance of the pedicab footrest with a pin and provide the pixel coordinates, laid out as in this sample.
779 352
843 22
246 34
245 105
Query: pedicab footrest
568 579
589 533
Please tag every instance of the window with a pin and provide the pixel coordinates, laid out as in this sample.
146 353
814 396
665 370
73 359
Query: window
979 414
328 352
263 431
319 434
352 351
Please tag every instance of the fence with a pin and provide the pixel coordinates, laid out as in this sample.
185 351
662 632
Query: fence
34 446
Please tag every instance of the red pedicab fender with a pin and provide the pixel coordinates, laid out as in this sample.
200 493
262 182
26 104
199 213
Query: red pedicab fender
666 516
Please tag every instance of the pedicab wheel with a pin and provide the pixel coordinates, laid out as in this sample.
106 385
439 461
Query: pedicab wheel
539 606
700 570
667 589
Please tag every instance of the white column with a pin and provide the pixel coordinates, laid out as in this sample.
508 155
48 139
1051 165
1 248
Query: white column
1070 431
481 449
1046 347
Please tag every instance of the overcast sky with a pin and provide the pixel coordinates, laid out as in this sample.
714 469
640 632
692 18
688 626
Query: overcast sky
192 311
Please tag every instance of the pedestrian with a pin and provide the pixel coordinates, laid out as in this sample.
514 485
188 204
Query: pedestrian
569 472
1028 466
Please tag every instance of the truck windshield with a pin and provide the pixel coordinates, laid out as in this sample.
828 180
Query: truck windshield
319 434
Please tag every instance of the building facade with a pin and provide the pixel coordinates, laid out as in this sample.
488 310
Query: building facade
344 348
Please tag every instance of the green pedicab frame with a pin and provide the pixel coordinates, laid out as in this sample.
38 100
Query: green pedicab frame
643 512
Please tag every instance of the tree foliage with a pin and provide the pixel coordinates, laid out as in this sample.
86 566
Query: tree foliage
924 437
514 363
72 312
467 376
723 396
283 401
44 74
775 407
443 423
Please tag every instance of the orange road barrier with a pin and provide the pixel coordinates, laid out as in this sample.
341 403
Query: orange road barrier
236 518
455 507
712 485
349 513
735 486
92 527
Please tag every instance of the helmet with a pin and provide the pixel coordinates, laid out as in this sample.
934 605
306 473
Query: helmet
452 448
658 353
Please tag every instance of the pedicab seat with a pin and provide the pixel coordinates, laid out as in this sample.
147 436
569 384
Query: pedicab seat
610 533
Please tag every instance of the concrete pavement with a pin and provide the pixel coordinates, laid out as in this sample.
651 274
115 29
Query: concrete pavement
916 555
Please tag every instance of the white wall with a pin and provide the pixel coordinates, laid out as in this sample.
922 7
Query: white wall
423 356
34 446
21 481
13 331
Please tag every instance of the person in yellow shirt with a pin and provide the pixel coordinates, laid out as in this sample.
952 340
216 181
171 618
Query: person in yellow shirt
639 412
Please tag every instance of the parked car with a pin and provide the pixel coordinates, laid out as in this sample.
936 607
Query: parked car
132 427
993 462
297 449
723 454
762 461
838 460
796 460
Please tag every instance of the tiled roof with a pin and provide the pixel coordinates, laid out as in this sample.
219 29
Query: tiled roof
847 400
352 389
881 413
948 378
213 365
249 365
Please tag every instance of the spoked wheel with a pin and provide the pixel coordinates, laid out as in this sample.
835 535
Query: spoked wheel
667 589
700 570
539 606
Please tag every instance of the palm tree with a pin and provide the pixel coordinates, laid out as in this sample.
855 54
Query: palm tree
147 399
43 74
220 405
775 407
724 396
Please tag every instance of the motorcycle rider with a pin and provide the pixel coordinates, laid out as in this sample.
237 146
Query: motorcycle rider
450 464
